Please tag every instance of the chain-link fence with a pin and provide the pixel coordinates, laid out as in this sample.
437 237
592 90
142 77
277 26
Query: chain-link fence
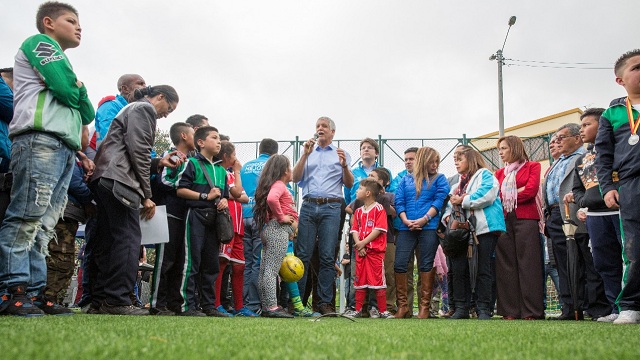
392 150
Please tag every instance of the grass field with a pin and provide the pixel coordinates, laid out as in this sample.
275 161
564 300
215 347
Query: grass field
121 337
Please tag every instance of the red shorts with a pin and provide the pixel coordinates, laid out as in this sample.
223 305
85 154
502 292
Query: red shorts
233 251
370 271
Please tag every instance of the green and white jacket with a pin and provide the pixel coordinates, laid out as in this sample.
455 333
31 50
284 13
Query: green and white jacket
46 97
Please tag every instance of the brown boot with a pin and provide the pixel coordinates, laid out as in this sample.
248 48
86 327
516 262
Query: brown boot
404 311
426 289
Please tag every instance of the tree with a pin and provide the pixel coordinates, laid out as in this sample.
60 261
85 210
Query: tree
162 142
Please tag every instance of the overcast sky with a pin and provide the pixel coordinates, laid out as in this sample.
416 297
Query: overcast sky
402 69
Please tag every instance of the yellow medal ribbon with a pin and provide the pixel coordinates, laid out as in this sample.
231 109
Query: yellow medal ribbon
632 124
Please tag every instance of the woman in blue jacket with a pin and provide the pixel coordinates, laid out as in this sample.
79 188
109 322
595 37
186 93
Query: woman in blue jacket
477 192
418 199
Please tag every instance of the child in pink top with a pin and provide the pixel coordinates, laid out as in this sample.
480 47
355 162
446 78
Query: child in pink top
440 264
276 216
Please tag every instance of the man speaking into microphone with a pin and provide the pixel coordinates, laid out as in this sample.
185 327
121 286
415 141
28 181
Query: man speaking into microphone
321 172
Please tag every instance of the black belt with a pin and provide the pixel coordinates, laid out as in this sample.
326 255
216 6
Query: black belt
322 200
554 206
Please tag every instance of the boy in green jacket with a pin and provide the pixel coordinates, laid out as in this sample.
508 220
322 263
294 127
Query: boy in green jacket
50 107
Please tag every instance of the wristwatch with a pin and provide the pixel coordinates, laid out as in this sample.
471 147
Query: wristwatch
204 196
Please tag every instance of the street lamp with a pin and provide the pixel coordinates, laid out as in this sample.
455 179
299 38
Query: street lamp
498 56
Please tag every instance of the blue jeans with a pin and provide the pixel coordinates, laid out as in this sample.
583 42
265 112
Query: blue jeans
407 241
606 248
252 250
42 165
321 222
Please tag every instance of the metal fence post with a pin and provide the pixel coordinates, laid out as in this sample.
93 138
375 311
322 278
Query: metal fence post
381 155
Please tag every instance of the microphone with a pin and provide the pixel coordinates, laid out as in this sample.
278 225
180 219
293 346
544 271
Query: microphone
315 136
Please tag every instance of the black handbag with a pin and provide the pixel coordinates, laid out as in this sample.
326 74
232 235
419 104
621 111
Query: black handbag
123 193
455 233
220 220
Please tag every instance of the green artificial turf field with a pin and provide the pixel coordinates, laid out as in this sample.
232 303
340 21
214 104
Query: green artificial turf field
126 337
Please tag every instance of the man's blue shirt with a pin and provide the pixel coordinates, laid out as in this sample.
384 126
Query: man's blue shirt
555 176
322 175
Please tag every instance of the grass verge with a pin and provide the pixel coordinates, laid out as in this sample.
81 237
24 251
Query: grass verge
121 337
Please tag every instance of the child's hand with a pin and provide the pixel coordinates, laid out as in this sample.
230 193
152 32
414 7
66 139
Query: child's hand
237 166
611 199
338 270
359 245
223 204
362 252
214 193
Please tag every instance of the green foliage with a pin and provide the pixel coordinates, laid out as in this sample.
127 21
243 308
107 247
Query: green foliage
162 142
121 337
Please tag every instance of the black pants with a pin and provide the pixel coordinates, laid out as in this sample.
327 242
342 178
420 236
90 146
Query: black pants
116 251
201 252
169 270
590 287
484 279
629 298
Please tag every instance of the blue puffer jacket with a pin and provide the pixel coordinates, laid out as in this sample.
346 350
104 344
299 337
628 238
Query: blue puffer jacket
482 197
415 208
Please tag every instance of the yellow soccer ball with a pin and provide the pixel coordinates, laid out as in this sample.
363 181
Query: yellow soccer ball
291 269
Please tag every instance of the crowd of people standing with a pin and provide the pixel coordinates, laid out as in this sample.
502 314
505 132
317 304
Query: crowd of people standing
56 174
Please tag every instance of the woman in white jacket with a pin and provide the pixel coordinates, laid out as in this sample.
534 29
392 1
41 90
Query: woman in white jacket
477 192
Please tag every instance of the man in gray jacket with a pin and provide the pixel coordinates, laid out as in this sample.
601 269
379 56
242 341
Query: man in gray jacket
557 183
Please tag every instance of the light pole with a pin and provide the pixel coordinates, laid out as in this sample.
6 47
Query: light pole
498 56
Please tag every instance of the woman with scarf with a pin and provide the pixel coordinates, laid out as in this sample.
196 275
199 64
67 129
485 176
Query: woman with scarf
477 194
518 253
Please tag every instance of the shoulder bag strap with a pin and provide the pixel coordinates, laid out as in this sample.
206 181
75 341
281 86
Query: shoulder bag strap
206 174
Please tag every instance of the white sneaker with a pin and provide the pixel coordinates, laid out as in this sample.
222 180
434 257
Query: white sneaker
374 313
628 317
352 314
386 315
608 319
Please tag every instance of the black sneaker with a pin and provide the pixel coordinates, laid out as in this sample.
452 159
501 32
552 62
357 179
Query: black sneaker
17 303
191 312
215 312
122 310
161 311
92 309
50 308
277 313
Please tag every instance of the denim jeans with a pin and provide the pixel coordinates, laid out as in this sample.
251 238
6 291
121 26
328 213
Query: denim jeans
606 248
252 250
407 241
42 165
321 222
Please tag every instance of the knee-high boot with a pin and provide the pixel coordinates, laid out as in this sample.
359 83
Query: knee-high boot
404 311
426 290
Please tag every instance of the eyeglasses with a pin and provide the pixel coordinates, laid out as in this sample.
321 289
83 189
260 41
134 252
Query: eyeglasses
169 103
559 138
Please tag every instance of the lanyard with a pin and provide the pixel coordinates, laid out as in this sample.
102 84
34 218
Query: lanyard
632 124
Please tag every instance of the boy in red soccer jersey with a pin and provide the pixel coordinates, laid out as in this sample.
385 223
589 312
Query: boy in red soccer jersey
369 230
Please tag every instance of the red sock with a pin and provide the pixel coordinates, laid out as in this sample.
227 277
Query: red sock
381 296
223 265
237 282
360 294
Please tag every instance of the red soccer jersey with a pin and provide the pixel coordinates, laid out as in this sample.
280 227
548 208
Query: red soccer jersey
235 207
364 222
